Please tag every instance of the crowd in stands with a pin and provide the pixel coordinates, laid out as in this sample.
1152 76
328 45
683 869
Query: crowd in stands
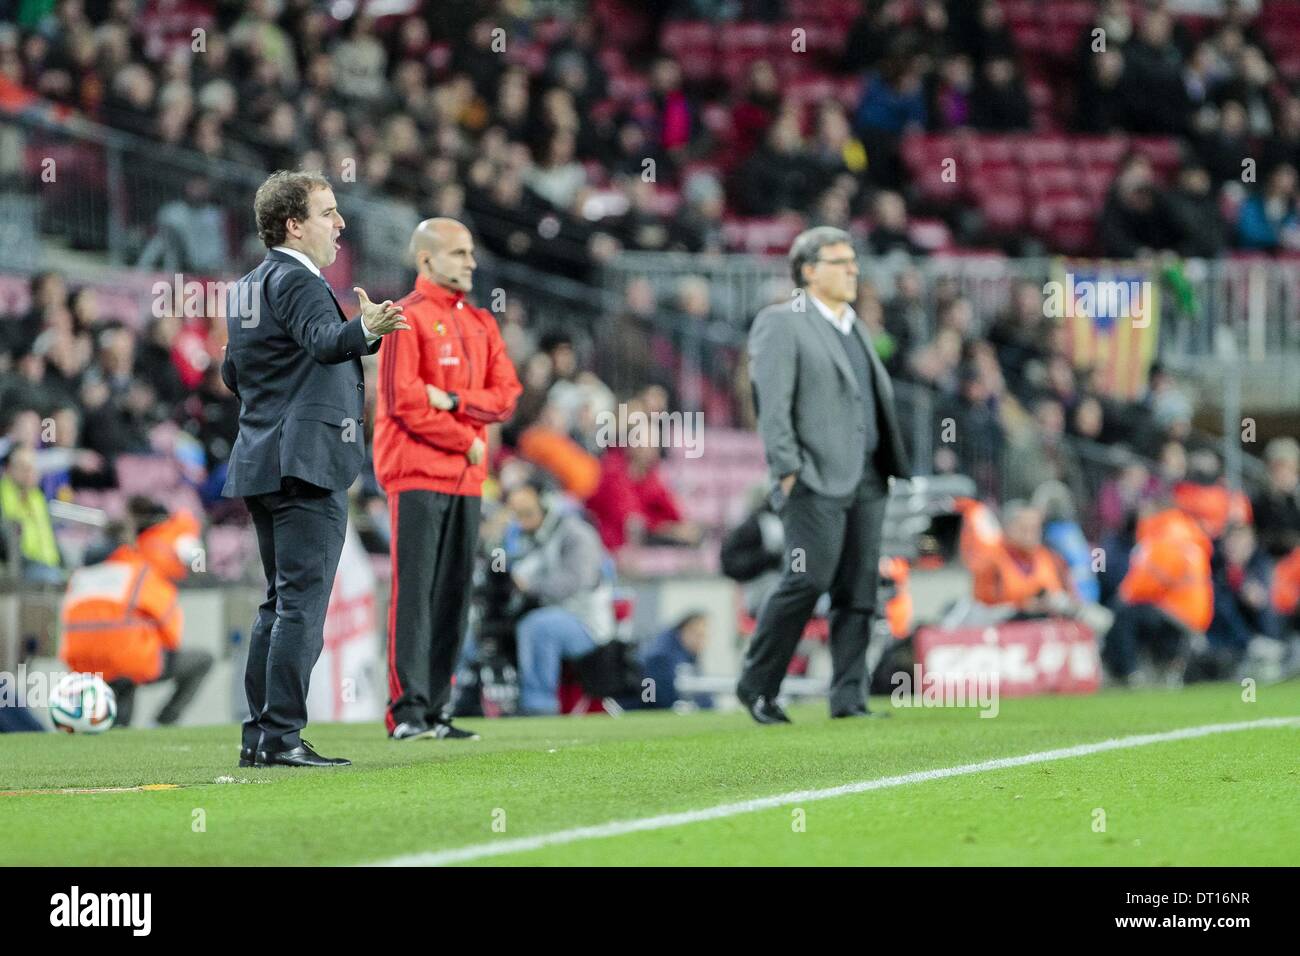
562 144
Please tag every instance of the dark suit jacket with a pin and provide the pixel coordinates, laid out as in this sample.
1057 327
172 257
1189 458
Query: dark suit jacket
294 362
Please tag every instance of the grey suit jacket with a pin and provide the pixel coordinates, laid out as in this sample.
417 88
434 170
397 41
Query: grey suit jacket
811 413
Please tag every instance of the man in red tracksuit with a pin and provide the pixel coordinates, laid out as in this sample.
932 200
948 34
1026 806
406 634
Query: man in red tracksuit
440 384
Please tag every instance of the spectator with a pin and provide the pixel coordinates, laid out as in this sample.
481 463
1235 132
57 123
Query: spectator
892 99
1165 598
1194 209
999 102
556 562
889 226
633 503
779 176
1135 220
1269 219
1021 571
23 504
1277 507
1156 64
671 653
1243 610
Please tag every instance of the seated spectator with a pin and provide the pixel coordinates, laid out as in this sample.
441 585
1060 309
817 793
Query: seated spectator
1019 570
23 503
1269 219
893 98
555 561
1277 508
1205 497
1063 535
1243 609
669 654
1124 495
633 503
1166 597
120 617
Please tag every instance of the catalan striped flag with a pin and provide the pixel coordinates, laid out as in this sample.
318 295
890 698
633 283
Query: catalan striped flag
1113 315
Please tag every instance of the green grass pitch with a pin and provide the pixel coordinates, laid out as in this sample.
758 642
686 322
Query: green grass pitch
1225 799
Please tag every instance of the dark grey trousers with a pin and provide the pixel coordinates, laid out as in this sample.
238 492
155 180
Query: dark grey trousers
831 544
433 541
300 535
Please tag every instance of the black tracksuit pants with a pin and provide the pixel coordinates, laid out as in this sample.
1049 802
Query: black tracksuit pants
433 541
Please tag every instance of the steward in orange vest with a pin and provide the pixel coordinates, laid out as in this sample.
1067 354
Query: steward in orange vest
121 618
1012 567
1166 595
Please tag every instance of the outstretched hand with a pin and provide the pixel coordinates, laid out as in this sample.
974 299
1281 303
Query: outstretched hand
381 318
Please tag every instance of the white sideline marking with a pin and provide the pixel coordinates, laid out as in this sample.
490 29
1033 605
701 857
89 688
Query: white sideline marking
663 821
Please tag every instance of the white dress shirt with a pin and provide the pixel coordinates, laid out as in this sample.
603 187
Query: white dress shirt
843 322
305 260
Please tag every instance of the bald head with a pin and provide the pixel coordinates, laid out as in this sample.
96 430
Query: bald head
443 251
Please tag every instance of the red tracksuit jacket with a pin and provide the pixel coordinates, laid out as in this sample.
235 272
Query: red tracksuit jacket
457 347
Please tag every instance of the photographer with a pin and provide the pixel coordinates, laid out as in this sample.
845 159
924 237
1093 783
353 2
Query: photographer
557 563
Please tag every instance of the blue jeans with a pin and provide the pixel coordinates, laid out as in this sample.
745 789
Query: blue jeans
546 637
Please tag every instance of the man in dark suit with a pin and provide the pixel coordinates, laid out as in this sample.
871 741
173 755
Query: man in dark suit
294 362
826 415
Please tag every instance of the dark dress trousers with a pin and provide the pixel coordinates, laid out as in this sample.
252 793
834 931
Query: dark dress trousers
826 411
294 361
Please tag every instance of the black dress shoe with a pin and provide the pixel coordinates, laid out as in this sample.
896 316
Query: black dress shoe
763 711
300 756
247 757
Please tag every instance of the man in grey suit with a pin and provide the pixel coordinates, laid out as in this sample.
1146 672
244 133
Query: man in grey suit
294 362
826 415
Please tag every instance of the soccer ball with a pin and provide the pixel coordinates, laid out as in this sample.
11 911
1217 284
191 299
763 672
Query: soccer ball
83 704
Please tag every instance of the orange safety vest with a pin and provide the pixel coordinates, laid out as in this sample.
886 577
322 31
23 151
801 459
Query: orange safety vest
118 617
1003 580
170 545
1170 568
1286 584
1214 505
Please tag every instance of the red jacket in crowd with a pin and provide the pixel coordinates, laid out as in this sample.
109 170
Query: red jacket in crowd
621 495
457 347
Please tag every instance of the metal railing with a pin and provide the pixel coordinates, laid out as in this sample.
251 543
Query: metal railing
1255 300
